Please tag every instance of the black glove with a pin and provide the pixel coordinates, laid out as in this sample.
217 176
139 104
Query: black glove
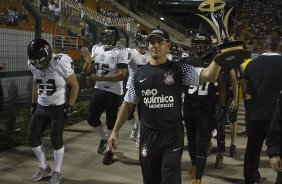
33 108
68 110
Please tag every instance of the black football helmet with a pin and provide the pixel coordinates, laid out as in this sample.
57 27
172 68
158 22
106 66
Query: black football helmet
141 39
39 53
201 44
110 36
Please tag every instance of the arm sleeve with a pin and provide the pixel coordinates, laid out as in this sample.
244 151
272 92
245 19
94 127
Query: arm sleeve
131 94
274 137
191 74
64 66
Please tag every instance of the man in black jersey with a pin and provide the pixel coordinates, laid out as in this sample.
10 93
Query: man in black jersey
226 109
274 140
158 87
262 80
199 106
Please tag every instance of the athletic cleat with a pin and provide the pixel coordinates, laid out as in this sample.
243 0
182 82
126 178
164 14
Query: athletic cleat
108 158
261 180
196 181
219 161
41 173
102 146
233 152
55 178
192 172
133 134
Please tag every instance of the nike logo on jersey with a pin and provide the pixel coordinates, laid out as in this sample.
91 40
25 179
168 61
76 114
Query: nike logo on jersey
142 80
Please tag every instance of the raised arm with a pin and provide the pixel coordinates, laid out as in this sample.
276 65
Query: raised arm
210 74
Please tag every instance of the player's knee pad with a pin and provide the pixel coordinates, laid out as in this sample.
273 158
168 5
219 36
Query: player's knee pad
57 142
94 123
33 139
33 143
202 148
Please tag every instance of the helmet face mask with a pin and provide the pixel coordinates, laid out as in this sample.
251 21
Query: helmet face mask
200 45
110 37
141 39
39 53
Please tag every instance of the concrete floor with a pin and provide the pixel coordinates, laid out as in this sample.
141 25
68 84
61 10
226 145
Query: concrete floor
83 165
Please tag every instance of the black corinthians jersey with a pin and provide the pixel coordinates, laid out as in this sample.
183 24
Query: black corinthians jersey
206 92
159 89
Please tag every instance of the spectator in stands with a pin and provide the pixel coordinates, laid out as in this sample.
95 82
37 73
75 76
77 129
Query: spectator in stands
43 6
51 8
57 13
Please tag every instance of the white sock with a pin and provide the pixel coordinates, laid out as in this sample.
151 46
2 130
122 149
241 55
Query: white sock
39 152
108 136
58 157
139 127
132 122
100 132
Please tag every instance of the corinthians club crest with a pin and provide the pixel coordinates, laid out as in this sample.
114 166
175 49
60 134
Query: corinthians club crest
168 78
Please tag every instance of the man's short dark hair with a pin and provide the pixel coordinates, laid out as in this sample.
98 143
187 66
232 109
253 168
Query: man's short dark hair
273 42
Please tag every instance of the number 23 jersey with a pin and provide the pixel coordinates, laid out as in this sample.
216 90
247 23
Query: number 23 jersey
51 82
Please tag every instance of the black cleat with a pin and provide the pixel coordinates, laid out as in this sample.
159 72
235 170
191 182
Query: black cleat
108 158
102 146
219 161
232 151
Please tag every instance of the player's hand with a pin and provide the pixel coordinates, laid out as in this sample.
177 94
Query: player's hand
113 140
275 163
33 108
233 105
84 52
68 110
97 77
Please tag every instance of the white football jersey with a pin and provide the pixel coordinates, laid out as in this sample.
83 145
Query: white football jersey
51 82
107 64
136 59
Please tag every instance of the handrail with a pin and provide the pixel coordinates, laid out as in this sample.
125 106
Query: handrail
62 41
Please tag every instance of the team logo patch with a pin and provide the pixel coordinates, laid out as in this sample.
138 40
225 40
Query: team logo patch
168 78
144 60
102 57
43 74
144 151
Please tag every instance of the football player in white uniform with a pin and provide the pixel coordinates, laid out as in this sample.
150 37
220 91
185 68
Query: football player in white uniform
138 56
51 73
110 63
